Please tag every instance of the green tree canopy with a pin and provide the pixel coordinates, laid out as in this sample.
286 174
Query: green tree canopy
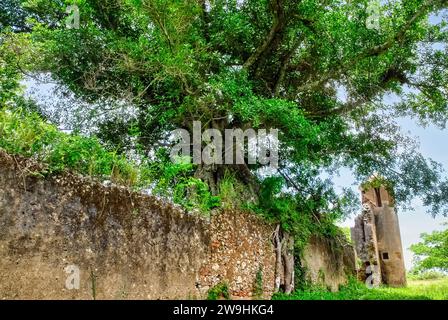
311 68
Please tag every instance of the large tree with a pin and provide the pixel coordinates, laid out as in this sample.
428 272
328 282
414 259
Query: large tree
314 69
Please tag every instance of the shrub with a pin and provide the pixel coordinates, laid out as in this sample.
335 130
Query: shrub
26 134
426 275
220 291
258 284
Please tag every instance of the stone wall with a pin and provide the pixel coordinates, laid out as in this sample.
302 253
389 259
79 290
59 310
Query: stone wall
328 262
240 248
127 245
390 249
366 246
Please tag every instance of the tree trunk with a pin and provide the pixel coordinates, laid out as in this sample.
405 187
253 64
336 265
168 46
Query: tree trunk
288 262
213 173
278 259
208 174
284 264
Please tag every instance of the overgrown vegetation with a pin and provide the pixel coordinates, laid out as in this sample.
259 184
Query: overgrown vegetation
27 134
250 64
301 215
143 68
426 275
176 181
347 233
258 284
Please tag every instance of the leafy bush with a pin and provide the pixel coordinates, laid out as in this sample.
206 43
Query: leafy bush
176 181
26 134
347 234
426 275
220 291
300 216
232 192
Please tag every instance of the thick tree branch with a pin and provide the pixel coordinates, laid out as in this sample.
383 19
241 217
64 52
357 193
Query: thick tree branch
277 25
283 68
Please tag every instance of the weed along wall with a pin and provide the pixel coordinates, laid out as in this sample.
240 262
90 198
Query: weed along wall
126 245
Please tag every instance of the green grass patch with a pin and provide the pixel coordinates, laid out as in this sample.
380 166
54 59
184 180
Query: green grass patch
416 290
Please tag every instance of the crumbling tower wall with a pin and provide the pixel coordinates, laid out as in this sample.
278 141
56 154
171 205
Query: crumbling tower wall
377 238
366 247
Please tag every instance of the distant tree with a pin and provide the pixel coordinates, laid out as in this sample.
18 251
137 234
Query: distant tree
432 251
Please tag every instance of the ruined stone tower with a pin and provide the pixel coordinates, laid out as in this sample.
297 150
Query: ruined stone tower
377 239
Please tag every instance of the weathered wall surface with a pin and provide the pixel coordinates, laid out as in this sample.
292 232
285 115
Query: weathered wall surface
364 235
328 262
131 246
126 245
240 248
377 239
390 249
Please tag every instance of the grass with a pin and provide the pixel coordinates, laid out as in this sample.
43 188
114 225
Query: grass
436 289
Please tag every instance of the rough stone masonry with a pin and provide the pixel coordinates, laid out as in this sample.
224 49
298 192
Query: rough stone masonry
128 245
377 239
